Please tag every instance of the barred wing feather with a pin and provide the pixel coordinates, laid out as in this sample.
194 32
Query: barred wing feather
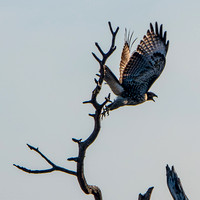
125 56
146 63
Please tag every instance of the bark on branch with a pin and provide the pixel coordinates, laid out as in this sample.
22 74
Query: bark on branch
147 195
83 145
173 181
174 184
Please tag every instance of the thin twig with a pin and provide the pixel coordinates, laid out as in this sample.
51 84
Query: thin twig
54 167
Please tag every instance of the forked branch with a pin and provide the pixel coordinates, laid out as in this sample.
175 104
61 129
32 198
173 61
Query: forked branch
110 51
173 181
91 189
83 145
54 167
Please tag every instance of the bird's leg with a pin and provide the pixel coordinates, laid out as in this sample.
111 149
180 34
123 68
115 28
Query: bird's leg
106 111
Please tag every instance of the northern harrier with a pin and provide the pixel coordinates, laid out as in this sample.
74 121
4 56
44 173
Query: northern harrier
140 70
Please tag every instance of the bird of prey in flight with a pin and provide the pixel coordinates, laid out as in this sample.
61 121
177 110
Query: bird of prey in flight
139 70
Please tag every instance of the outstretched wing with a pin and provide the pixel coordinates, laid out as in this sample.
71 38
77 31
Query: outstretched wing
147 62
125 56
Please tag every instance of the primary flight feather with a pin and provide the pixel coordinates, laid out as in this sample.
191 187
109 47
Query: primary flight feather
140 70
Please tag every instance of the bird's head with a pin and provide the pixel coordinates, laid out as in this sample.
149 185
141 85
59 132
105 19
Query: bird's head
150 96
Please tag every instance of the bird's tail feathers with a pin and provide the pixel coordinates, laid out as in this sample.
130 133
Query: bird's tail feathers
112 81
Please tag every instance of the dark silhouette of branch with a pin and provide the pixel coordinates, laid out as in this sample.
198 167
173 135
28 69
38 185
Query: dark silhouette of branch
83 145
174 184
147 195
173 181
110 51
91 189
54 167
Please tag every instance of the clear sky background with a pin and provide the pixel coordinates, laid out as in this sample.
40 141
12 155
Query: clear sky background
47 70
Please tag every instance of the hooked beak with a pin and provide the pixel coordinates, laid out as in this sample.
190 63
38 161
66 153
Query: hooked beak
154 96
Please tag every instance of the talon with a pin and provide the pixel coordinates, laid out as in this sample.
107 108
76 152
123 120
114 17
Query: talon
105 111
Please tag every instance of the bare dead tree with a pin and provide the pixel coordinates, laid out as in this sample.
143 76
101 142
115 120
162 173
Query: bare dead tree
174 185
172 179
83 145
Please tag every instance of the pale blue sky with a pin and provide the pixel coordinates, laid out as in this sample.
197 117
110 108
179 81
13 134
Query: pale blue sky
46 72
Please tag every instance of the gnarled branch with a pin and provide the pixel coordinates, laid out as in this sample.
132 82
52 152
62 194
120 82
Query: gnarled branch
83 145
174 184
173 181
91 189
